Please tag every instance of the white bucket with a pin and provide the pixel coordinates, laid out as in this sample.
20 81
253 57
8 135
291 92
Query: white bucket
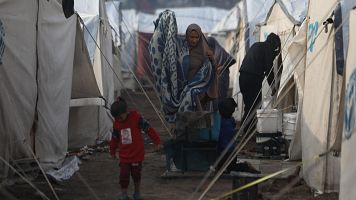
262 139
289 125
269 121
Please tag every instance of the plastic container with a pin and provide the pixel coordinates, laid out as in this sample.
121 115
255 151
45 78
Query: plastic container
269 121
289 125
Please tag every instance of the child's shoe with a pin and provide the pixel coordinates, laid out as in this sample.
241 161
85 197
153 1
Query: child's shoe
137 196
124 197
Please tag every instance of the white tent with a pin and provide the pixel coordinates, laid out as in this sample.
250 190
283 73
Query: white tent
36 74
258 10
348 161
17 79
321 101
89 120
293 73
347 5
112 10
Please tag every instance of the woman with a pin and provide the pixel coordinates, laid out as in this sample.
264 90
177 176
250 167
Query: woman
199 51
182 67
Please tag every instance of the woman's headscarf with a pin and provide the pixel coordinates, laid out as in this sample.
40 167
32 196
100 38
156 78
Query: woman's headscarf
198 53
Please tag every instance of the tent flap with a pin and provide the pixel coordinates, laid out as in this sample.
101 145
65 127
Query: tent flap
56 40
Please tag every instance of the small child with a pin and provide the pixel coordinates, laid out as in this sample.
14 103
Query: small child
128 138
227 130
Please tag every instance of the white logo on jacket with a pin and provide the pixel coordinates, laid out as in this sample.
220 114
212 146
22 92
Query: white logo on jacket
126 137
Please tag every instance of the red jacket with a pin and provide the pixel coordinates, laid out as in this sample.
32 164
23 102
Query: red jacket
127 136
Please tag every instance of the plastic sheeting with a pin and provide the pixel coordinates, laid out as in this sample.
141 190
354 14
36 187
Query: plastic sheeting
348 161
55 68
70 166
17 79
321 102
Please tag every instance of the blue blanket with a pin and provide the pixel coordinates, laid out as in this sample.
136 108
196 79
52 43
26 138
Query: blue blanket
169 56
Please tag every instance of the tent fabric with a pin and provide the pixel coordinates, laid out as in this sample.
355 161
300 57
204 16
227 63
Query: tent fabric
319 112
89 124
129 27
297 8
54 81
17 79
84 83
236 94
2 44
84 126
293 70
112 10
107 74
169 61
89 12
348 161
346 6
257 12
106 56
229 22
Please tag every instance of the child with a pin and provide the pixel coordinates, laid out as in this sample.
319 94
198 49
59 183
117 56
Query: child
127 137
227 132
227 129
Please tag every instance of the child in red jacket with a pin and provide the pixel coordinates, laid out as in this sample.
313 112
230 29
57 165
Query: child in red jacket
128 138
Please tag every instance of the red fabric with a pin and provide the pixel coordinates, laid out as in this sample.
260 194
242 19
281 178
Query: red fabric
127 169
133 152
143 56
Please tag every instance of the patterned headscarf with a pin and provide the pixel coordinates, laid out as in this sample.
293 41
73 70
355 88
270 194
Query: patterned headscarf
197 54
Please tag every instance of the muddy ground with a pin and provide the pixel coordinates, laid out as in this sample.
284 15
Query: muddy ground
98 177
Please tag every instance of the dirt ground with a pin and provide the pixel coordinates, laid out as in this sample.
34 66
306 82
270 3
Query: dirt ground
98 178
